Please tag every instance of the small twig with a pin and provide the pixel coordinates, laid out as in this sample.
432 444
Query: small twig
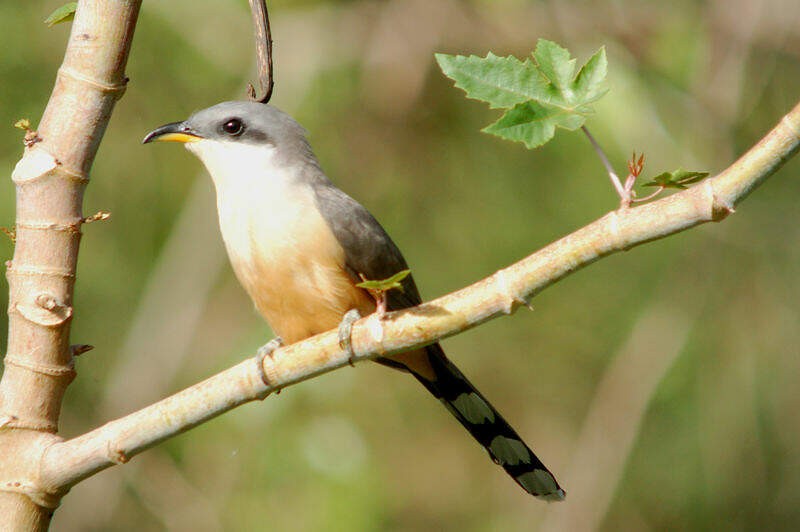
79 349
380 297
263 36
610 169
99 216
31 136
10 233
635 168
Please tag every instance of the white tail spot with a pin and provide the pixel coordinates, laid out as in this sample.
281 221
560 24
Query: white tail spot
473 408
542 484
509 451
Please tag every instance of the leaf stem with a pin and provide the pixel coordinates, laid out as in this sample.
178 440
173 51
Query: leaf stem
649 196
610 169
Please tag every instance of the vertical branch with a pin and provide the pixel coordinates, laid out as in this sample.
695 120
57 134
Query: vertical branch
50 180
263 35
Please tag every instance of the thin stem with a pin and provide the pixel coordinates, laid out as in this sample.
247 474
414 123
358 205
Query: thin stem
610 169
658 191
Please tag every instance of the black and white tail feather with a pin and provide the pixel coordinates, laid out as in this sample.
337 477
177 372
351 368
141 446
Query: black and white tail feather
487 426
370 252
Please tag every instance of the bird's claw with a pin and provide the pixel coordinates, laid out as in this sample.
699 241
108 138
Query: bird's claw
345 330
267 349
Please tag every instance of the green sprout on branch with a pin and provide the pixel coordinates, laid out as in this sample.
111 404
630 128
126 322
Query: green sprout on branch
64 13
378 288
543 93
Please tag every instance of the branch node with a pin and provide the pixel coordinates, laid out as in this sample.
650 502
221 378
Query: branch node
721 208
74 227
97 84
36 163
37 270
116 455
29 489
50 370
10 421
511 300
46 301
46 310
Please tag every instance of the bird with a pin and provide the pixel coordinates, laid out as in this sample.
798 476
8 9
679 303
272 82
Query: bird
299 245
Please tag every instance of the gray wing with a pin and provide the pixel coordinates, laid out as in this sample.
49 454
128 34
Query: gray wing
368 249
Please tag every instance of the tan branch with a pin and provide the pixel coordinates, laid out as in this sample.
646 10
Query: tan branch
65 463
50 180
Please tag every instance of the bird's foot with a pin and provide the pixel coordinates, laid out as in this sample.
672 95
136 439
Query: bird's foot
345 330
266 351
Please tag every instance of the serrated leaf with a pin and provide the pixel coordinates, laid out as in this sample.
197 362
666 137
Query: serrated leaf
555 63
676 179
541 94
533 124
384 285
588 86
502 82
64 13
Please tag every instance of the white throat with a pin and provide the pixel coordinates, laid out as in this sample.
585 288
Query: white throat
260 203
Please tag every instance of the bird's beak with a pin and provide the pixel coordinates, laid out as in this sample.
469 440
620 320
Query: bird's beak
174 132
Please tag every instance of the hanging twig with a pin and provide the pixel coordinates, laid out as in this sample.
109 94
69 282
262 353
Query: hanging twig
263 51
612 175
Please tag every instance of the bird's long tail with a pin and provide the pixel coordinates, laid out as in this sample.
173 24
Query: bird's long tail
488 427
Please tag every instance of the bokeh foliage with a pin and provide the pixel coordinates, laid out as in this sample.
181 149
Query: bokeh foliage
691 83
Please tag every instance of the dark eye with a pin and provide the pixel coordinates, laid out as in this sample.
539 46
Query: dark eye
233 127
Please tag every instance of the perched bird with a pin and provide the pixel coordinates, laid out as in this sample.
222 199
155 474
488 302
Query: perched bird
299 245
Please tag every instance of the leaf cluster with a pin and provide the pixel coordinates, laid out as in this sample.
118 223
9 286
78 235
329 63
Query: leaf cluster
384 285
539 94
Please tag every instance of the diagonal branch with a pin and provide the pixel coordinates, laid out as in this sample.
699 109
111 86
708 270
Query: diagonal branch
65 463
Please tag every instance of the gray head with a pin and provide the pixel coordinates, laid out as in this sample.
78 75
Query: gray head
241 123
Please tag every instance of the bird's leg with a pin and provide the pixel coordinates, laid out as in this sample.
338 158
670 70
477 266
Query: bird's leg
345 330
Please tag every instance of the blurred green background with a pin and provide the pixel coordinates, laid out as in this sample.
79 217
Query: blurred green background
660 385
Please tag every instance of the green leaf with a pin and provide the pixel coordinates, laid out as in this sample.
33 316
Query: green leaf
555 63
676 179
588 86
540 94
533 124
64 13
385 285
502 82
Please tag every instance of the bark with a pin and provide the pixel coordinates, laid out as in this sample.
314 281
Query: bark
50 180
